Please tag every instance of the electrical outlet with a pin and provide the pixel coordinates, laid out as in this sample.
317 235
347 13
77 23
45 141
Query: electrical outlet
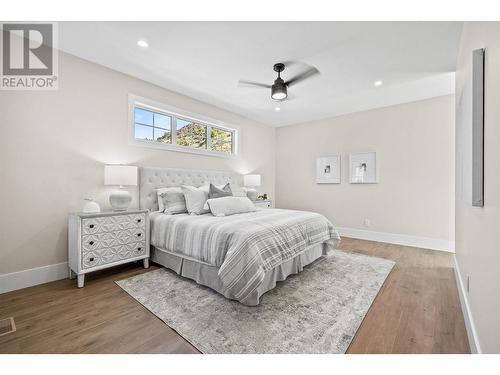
367 222
468 283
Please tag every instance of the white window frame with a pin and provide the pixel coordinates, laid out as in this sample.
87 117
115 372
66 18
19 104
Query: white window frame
174 113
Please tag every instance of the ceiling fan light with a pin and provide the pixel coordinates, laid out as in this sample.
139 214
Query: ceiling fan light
279 92
279 96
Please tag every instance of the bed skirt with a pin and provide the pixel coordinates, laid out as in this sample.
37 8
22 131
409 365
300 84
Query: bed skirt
207 275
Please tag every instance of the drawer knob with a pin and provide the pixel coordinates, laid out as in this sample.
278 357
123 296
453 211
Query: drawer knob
91 226
139 220
139 234
91 242
139 248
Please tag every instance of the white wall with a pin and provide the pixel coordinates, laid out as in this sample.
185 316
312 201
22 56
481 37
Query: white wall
53 146
477 228
415 155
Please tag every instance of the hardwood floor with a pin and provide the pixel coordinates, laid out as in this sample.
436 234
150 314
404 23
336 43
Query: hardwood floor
418 308
416 311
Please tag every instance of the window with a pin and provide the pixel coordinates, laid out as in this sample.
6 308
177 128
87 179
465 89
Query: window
152 126
191 134
160 126
221 140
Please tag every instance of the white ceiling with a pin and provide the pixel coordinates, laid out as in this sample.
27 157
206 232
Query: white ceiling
205 60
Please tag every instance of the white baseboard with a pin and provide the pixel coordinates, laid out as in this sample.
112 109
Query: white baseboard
34 276
399 239
474 345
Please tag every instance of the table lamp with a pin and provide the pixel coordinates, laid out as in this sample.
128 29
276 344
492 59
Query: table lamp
120 175
251 181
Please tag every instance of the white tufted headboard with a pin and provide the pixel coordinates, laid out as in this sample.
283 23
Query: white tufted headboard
154 178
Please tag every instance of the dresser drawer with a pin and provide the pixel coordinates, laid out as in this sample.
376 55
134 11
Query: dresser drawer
113 223
113 254
96 241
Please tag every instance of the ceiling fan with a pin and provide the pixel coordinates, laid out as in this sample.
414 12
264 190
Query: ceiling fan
279 89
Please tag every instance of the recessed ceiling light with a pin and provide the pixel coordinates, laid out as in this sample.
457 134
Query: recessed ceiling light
142 43
377 83
277 109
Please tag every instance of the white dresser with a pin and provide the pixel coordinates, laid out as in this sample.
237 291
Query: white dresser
106 239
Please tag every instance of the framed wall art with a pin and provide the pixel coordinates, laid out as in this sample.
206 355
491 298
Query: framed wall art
470 133
363 168
328 169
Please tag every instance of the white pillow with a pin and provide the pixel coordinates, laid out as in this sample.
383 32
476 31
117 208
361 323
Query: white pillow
195 199
160 191
173 201
226 206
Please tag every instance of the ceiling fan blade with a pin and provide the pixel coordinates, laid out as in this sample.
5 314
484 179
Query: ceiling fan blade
289 63
302 76
253 84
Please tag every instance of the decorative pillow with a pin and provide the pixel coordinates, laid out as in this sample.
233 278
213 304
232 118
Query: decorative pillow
215 192
173 201
195 199
226 206
161 207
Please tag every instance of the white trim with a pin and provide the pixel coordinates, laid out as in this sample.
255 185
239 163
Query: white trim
399 239
175 113
474 345
34 276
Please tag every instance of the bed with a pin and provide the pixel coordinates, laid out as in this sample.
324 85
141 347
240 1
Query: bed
240 256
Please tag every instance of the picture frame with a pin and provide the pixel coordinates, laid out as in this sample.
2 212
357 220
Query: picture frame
470 132
363 168
328 169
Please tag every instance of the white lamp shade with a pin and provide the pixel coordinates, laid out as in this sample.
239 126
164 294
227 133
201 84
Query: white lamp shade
121 175
251 180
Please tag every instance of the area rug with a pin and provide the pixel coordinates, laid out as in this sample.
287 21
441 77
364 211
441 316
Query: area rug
316 311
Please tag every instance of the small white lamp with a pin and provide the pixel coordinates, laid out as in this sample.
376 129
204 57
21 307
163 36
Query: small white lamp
251 181
121 175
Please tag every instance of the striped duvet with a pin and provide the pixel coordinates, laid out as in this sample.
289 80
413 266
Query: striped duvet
242 246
